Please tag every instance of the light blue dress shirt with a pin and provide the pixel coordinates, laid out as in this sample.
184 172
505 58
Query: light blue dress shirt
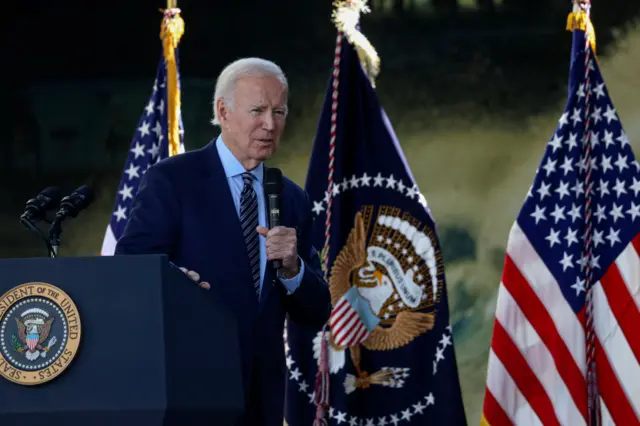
233 171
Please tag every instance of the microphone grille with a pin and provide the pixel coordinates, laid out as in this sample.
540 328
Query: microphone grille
273 182
86 194
53 193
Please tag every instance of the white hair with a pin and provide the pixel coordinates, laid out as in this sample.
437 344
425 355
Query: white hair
226 83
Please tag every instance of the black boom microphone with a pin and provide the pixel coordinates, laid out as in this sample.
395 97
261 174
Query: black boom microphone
70 206
75 202
36 210
273 188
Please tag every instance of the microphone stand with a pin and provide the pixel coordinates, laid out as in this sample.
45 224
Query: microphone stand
27 222
54 236
70 206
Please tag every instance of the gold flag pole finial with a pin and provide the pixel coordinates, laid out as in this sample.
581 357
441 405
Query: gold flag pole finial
579 19
171 31
346 17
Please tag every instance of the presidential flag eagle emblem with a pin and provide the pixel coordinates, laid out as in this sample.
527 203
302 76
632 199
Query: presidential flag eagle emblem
383 290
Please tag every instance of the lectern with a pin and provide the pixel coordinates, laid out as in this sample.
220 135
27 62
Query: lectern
118 340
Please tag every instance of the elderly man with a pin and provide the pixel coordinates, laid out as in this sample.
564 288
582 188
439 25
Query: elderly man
206 209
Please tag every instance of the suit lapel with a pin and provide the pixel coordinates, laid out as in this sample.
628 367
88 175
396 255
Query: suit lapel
232 252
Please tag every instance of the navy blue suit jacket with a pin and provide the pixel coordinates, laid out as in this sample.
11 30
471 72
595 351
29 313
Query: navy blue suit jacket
184 209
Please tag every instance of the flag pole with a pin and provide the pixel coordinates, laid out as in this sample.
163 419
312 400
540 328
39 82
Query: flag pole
579 19
171 31
346 18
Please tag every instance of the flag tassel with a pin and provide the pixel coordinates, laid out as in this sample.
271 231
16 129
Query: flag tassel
346 17
578 20
321 397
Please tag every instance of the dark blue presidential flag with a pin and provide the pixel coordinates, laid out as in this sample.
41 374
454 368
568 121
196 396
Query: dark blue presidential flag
388 347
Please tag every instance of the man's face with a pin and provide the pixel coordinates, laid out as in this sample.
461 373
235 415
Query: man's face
257 119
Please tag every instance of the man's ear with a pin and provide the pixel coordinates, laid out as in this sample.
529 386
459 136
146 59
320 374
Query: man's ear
222 111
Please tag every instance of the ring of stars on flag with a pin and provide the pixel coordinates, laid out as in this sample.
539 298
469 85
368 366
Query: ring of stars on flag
377 181
341 417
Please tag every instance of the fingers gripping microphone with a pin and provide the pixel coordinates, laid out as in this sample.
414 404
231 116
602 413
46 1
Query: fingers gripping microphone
70 206
273 188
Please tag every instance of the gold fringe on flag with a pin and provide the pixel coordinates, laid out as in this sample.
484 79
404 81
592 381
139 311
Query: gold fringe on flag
171 31
578 19
346 17
483 421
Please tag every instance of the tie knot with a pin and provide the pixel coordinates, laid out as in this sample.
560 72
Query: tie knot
247 178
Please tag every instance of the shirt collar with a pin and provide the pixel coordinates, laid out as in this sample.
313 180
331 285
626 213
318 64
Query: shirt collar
233 167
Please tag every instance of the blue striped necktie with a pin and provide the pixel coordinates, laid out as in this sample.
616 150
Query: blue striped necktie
249 222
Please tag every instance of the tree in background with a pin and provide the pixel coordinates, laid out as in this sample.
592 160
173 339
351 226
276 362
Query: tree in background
486 5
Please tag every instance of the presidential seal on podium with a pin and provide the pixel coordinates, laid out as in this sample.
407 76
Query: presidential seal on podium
40 332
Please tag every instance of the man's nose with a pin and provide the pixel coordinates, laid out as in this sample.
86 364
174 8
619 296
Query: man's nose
268 123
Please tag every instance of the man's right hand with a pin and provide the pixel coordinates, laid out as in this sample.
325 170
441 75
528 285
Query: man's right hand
195 277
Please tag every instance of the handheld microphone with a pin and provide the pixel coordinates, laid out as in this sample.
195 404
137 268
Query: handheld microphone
273 185
70 206
37 208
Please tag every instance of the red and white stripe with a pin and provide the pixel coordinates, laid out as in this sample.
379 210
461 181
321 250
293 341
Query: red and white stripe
32 342
537 362
347 328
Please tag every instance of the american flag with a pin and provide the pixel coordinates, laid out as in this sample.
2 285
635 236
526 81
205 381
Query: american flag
151 140
537 369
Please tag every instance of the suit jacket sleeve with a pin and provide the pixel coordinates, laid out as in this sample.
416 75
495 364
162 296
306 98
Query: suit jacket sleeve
153 225
310 304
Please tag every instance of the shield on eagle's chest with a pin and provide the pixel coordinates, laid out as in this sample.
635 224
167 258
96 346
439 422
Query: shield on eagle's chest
32 340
